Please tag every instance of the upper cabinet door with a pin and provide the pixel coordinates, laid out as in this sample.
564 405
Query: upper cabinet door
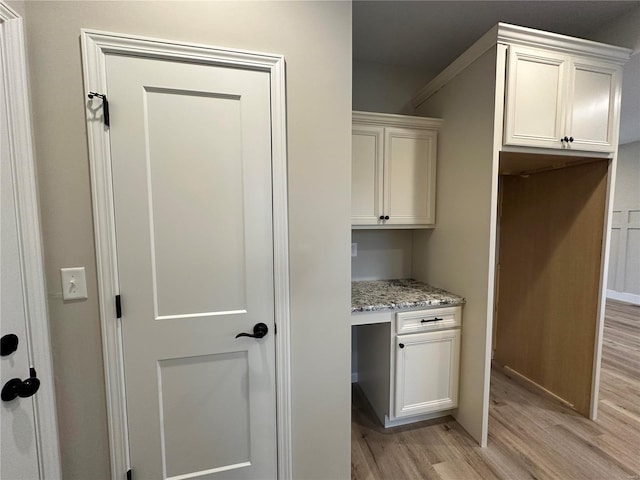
366 174
410 176
536 91
563 102
592 111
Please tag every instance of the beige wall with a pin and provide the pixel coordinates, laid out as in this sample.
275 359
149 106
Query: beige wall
625 32
624 255
627 191
382 254
456 255
315 38
387 88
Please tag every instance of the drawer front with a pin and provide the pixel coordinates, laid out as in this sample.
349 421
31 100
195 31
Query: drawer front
428 320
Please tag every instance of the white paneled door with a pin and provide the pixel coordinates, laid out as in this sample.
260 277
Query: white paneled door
191 166
17 421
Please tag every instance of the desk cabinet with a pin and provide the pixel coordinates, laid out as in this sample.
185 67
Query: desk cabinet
408 367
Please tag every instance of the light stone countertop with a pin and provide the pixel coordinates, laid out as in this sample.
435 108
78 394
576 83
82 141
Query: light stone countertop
376 295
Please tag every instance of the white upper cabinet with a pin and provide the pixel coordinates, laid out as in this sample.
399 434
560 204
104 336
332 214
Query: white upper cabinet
561 101
366 174
393 170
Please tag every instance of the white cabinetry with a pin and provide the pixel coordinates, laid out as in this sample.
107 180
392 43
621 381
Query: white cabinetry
426 372
427 352
393 170
561 101
408 363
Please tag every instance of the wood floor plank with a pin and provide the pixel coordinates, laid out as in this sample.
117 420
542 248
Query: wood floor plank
531 436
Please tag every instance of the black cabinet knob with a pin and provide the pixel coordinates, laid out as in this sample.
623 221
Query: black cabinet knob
386 217
8 344
20 388
571 139
259 331
401 345
381 217
565 139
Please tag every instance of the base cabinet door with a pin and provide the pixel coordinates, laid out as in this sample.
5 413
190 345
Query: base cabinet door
426 373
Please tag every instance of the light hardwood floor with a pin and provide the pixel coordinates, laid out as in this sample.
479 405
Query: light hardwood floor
530 436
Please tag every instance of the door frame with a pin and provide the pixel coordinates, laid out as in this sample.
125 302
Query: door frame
14 72
96 45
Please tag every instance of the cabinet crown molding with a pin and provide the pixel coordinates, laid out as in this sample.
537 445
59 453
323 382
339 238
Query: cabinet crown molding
393 120
507 34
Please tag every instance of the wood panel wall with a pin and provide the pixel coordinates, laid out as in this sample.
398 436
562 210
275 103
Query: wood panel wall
550 247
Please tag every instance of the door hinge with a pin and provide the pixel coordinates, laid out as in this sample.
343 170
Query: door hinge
129 474
275 328
118 307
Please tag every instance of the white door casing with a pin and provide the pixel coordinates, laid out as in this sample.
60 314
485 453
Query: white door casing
29 435
100 54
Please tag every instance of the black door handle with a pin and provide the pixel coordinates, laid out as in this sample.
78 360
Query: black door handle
19 388
259 331
8 344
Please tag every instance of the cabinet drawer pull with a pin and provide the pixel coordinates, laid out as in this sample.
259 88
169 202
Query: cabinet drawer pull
435 319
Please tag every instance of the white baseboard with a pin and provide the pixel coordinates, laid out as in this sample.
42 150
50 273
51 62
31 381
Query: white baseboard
624 297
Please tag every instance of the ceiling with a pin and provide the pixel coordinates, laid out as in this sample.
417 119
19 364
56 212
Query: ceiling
431 34
428 35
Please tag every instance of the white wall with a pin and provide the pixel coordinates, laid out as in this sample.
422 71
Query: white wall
315 38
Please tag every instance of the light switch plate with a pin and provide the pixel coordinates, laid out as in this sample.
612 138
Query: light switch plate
74 283
354 249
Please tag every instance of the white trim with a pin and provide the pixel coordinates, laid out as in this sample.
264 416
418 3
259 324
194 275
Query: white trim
604 267
516 35
30 241
631 298
392 120
95 46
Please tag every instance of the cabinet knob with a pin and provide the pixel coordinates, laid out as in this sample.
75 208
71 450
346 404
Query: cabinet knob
381 217
566 139
571 139
386 217
401 345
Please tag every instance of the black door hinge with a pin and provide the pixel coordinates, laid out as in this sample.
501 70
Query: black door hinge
118 307
275 329
129 474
